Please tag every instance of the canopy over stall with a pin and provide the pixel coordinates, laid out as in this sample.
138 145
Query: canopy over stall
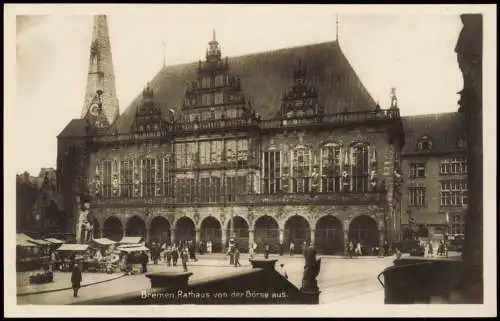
103 242
73 248
131 240
54 240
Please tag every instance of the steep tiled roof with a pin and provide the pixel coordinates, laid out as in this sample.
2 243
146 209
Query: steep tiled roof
444 130
264 77
75 128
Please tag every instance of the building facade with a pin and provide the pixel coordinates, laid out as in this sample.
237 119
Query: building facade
434 167
276 147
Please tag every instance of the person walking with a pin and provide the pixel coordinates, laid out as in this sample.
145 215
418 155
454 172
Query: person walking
430 250
168 255
175 255
76 280
350 249
236 257
292 248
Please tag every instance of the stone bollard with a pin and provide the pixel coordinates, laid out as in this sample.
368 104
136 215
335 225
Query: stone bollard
168 280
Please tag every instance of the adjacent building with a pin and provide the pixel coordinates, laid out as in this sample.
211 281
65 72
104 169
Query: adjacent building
434 166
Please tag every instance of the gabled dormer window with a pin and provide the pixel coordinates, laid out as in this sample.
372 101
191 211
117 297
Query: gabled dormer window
424 143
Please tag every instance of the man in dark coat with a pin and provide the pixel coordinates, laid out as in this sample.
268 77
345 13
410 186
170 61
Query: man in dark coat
144 262
76 280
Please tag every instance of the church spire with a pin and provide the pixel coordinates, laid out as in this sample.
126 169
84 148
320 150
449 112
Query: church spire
101 89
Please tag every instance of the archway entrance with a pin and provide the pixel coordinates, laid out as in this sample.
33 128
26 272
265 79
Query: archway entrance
159 231
240 230
211 230
364 229
423 231
297 231
329 235
267 231
136 227
113 229
185 230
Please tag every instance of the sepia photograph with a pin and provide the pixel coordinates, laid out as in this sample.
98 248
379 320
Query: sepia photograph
332 160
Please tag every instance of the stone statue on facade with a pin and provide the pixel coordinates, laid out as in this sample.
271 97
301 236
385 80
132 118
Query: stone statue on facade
84 228
311 270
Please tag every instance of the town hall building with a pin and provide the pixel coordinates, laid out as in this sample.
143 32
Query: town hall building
274 147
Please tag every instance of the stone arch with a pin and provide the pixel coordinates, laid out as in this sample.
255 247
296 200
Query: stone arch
136 226
211 230
364 229
267 232
240 232
329 235
297 230
113 228
185 229
159 230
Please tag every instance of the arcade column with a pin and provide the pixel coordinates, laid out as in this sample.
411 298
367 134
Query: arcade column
312 236
198 236
251 238
282 236
346 242
223 239
148 235
172 235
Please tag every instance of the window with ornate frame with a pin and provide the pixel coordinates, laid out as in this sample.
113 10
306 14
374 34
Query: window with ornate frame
185 190
167 177
331 167
205 153
360 167
219 80
218 98
106 178
206 99
127 178
301 169
271 172
424 143
206 82
453 166
216 150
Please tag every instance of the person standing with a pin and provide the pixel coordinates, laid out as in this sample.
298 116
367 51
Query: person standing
283 271
236 257
430 250
292 248
209 247
281 250
76 279
144 262
266 251
175 255
184 259
168 254
350 249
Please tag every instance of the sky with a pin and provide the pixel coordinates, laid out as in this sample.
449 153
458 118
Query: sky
412 52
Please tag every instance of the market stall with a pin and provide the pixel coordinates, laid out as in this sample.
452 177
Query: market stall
71 253
131 240
100 254
131 257
31 253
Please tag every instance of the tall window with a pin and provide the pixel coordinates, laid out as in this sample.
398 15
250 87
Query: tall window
126 178
457 225
330 168
206 82
234 186
216 151
215 189
106 173
167 178
454 193
231 150
271 172
185 190
360 168
417 170
218 98
148 177
301 165
204 189
206 99
453 166
416 196
219 80
242 152
205 153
